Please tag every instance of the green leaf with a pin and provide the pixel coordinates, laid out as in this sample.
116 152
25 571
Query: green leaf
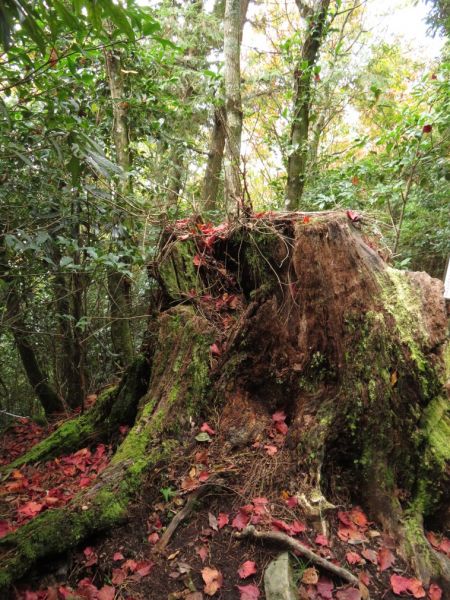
65 261
203 437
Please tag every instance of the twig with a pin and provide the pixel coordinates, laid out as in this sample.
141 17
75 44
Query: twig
285 540
5 412
161 545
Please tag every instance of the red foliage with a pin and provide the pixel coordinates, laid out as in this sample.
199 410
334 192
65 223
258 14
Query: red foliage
36 488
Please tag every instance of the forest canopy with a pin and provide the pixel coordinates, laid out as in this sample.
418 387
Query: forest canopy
117 118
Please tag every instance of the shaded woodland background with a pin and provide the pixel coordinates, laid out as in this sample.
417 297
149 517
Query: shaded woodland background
118 119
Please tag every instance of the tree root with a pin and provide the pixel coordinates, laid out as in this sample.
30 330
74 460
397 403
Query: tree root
114 407
281 538
181 516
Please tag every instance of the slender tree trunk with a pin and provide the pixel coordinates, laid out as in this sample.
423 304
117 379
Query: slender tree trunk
233 102
296 170
71 378
118 283
49 399
211 180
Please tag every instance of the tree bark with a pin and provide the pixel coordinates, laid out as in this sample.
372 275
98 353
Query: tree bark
233 103
211 181
303 77
49 399
118 283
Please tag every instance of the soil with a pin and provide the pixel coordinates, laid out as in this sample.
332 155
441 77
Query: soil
178 569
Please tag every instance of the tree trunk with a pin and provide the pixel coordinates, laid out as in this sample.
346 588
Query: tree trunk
296 314
303 77
49 399
118 283
211 181
233 103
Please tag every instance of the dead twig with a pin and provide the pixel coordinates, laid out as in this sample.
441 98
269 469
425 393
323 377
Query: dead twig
298 548
183 514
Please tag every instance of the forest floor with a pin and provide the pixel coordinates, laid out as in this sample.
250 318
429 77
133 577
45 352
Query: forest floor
203 558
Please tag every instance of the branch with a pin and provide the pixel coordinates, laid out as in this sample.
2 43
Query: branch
298 548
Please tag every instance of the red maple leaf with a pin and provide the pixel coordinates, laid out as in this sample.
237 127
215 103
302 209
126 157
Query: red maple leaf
401 584
353 558
280 525
248 592
208 429
297 527
30 509
385 558
222 520
278 416
322 540
246 569
241 520
435 592
353 216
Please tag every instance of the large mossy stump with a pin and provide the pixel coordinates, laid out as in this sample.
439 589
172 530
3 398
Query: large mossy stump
293 314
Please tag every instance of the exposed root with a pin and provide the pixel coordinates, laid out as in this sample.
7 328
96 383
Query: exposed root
281 538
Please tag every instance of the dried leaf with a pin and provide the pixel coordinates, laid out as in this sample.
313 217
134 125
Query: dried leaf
310 576
222 520
246 569
370 555
435 592
213 522
213 580
385 558
248 592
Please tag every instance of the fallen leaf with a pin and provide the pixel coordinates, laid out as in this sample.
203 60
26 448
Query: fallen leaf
435 592
310 576
144 567
353 558
281 427
358 517
278 417
208 429
202 551
353 216
118 576
222 520
292 502
5 528
213 580
325 588
107 592
241 520
322 540
248 592
385 558
370 555
280 525
246 569
203 437
213 522
297 527
401 584
215 350
30 509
